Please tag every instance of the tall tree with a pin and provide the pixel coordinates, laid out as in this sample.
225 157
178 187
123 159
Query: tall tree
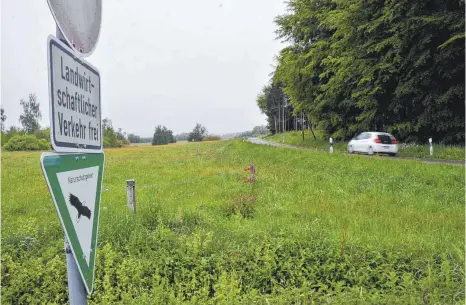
272 102
2 119
31 114
111 137
376 65
162 136
132 138
198 133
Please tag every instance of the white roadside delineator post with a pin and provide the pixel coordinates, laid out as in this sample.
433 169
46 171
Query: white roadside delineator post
330 141
431 148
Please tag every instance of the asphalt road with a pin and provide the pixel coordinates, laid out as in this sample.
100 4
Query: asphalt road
424 160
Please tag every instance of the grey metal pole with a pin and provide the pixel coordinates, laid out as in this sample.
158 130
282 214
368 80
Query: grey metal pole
76 290
60 35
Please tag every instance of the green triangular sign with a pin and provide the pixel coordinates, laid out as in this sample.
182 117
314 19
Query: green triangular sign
75 183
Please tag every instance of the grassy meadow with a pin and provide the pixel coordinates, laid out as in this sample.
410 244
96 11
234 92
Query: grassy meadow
410 150
315 228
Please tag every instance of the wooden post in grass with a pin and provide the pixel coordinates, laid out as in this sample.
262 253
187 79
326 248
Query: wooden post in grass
253 173
330 141
252 170
431 148
131 194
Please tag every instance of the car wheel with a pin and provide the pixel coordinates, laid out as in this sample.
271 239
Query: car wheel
370 151
392 155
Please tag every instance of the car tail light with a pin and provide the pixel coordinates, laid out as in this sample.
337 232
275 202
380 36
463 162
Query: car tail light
377 140
394 141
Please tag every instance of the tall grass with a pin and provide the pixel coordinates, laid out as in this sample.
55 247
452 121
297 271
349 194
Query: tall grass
314 228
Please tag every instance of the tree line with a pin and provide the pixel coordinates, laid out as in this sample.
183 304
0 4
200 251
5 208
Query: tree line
31 136
352 66
163 135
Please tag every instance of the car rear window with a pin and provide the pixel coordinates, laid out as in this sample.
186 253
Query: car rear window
385 139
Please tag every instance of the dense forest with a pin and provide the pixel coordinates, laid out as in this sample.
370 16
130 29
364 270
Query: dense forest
352 66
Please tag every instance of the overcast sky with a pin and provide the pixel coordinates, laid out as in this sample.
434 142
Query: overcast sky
172 63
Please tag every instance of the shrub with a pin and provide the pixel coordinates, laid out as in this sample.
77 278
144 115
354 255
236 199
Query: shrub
111 141
26 142
106 143
10 133
44 144
212 138
43 134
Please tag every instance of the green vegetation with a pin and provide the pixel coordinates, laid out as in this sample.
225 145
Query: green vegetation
212 138
16 139
113 138
163 136
445 152
26 142
32 137
198 134
31 114
351 66
132 138
296 138
315 227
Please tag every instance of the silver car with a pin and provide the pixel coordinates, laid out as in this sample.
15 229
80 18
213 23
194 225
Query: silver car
373 142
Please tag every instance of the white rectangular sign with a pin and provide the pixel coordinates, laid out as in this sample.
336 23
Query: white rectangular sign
75 108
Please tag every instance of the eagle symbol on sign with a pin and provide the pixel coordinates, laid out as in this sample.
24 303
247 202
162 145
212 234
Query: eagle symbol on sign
80 207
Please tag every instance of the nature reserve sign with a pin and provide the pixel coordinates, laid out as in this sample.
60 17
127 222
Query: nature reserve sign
75 183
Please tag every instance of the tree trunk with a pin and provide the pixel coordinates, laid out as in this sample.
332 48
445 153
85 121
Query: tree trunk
279 118
302 124
310 126
283 114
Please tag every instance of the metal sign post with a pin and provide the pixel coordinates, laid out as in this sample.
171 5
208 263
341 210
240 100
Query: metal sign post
75 179
76 290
